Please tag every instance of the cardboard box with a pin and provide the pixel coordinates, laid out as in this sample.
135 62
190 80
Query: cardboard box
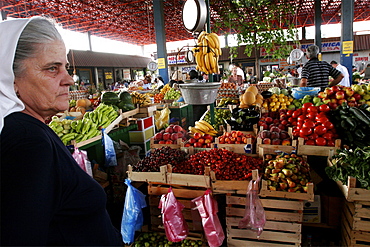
312 210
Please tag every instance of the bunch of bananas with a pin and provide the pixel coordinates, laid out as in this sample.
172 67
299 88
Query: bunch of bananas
202 127
165 89
141 99
207 52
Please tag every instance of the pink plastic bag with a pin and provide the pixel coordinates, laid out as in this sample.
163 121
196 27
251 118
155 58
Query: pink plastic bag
207 207
174 223
82 160
254 216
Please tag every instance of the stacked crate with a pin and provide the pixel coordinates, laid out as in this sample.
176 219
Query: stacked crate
141 136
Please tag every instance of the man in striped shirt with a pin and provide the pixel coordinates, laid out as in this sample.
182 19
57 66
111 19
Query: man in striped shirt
316 73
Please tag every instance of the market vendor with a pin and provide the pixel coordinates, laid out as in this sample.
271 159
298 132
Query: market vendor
147 82
315 73
235 77
46 198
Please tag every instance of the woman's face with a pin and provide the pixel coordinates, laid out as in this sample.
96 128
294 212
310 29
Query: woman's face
44 84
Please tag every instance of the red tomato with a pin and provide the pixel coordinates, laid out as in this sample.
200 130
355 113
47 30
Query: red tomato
295 132
312 115
310 142
320 141
313 136
296 113
312 109
301 118
324 108
328 136
305 106
289 113
329 125
300 123
305 132
290 120
320 130
321 119
308 124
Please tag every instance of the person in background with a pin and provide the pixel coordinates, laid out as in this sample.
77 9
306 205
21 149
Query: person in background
299 70
316 73
345 81
235 78
194 77
46 198
147 82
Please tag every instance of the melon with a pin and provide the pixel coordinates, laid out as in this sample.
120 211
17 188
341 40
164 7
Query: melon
252 89
259 96
248 98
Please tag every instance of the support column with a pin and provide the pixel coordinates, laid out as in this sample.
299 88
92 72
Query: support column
160 35
89 38
346 54
318 23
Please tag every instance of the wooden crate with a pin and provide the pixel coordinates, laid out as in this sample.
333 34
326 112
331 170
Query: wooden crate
231 186
146 111
189 179
174 146
356 224
316 150
184 194
309 196
160 177
283 222
350 192
247 149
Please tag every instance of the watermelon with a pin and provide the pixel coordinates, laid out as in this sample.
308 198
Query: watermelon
109 98
125 97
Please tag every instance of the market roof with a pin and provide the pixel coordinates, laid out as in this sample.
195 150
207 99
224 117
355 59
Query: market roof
101 59
133 21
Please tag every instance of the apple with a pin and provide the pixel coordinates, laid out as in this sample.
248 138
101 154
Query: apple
201 140
276 141
357 96
352 104
162 142
275 129
340 95
180 135
349 91
265 134
335 89
207 141
197 135
158 136
174 136
334 101
333 105
286 142
166 136
326 100
198 145
169 142
329 91
322 95
187 145
275 135
169 129
192 140
269 120
177 128
208 136
266 141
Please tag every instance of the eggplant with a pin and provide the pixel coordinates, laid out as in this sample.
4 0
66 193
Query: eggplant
266 94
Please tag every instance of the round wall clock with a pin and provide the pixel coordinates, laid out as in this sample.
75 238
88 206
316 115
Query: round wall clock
296 55
194 15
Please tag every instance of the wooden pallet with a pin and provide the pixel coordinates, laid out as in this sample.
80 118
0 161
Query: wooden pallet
184 194
316 150
350 192
283 222
356 224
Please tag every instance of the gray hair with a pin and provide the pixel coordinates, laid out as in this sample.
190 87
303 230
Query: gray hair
38 31
312 51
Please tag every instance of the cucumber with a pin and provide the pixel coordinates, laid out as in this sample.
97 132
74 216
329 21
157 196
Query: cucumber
360 115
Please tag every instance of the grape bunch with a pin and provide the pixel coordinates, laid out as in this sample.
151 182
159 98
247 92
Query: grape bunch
172 94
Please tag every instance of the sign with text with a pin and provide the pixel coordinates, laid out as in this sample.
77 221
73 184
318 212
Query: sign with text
161 63
180 59
347 47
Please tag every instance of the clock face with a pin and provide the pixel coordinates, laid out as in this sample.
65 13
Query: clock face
296 55
194 15
190 56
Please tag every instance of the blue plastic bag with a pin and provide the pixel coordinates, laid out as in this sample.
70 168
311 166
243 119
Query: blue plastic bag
110 153
132 218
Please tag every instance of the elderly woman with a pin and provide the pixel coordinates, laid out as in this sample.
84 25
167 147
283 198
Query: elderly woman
235 77
46 198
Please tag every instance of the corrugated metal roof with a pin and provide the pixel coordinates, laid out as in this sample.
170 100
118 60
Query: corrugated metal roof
100 59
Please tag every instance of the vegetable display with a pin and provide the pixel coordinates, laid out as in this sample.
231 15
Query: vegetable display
243 119
351 162
353 124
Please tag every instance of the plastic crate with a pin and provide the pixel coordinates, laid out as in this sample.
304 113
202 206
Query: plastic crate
141 136
144 123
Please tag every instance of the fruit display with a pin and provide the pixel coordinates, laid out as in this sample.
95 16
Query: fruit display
227 85
158 98
202 127
286 172
227 165
221 116
336 95
207 52
364 91
227 101
141 99
251 96
200 141
170 135
277 102
153 239
160 157
80 105
172 94
86 128
352 124
275 136
235 137
228 90
313 125
243 119
274 119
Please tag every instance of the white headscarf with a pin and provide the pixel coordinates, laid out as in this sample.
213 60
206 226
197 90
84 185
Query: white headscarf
10 32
